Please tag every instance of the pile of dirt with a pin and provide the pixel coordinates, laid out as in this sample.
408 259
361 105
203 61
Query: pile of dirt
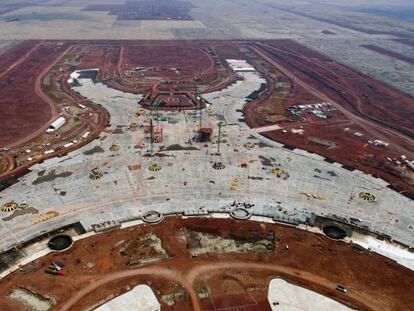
32 301
143 249
203 243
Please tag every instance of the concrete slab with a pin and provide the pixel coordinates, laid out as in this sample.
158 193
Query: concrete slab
284 296
141 298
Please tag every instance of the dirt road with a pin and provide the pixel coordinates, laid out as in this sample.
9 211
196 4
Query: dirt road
369 125
312 261
39 92
159 272
19 61
188 278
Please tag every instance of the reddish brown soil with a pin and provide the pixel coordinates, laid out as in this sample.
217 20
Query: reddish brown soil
167 66
6 162
229 291
229 51
373 282
409 60
22 111
365 96
299 96
257 117
104 57
28 109
147 9
14 54
245 302
96 56
364 105
189 60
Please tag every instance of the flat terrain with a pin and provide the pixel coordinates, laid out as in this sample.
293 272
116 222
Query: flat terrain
97 268
34 96
368 97
409 42
332 29
176 62
147 9
395 55
23 111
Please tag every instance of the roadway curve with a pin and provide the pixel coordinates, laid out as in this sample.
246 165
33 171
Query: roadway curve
228 80
39 92
189 276
166 273
358 106
369 125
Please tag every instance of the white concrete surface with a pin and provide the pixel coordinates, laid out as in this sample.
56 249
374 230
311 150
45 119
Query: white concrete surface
384 248
140 298
284 296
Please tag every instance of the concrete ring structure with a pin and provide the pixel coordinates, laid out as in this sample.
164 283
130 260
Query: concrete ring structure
23 205
240 213
60 243
152 217
334 232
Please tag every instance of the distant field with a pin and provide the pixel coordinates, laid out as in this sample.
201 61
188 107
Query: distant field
6 8
393 54
7 44
147 9
397 13
409 42
336 31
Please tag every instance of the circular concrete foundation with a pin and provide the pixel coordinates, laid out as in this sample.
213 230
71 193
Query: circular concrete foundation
334 232
60 242
152 217
240 213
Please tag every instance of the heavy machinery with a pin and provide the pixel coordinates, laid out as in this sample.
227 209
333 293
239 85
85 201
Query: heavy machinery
55 268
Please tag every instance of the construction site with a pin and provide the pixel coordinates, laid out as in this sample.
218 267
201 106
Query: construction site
213 175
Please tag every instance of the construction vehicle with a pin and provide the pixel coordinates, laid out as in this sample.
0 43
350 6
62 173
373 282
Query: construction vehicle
341 289
54 272
55 268
57 265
